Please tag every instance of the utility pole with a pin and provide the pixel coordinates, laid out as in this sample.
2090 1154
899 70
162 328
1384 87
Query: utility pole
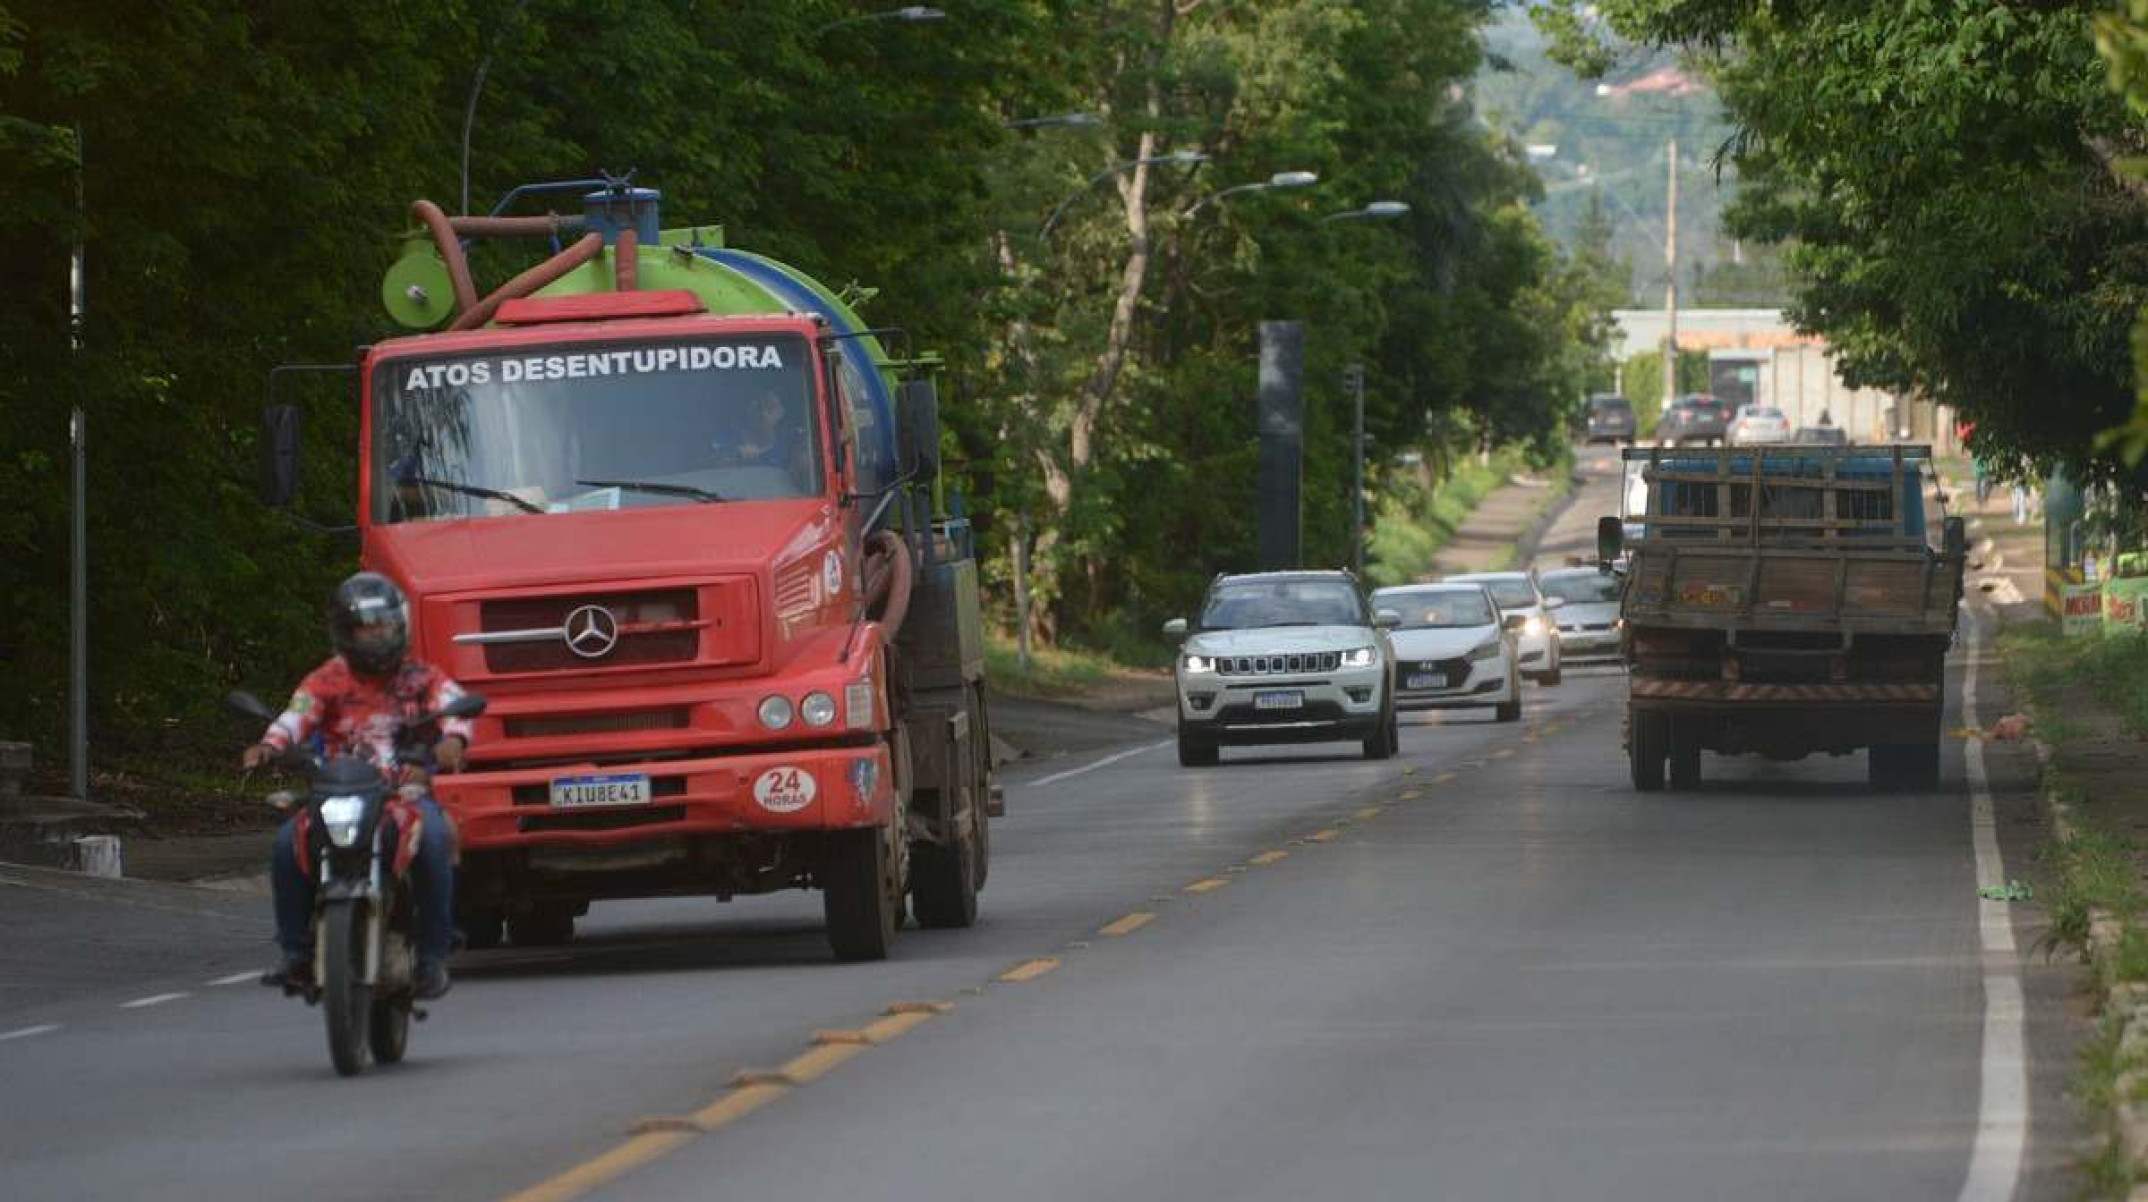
1355 376
78 440
1670 287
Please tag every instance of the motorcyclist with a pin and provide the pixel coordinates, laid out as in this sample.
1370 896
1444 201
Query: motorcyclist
355 703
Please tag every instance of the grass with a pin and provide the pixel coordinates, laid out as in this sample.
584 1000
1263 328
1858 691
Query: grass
2044 665
1415 522
1052 671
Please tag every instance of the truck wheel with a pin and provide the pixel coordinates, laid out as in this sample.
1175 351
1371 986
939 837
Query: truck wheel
1194 751
1645 750
1685 754
861 890
546 924
943 876
482 930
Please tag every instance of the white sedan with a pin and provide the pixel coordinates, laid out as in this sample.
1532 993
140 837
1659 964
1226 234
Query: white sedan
1758 424
1452 650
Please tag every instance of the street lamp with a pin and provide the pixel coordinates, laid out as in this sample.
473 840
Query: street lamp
1281 179
1179 157
1056 121
909 14
1379 210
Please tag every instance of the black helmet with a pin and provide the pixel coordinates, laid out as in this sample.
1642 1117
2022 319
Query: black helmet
369 622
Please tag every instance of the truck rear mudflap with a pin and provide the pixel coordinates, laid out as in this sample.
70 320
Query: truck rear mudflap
809 789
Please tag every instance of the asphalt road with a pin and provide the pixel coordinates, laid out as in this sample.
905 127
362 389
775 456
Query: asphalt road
1486 969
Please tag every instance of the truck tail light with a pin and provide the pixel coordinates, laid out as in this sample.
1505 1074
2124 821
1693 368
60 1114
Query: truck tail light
858 705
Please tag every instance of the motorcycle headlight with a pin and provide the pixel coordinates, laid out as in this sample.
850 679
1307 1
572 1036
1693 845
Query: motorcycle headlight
343 817
1360 657
1533 627
1197 663
1484 650
775 711
818 709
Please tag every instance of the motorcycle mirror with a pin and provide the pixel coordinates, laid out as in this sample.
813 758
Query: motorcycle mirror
469 705
246 705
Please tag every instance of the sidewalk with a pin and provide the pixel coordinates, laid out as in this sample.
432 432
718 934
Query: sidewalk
1492 537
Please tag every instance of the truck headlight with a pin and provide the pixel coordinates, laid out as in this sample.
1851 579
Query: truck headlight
1485 650
342 816
775 711
1197 663
818 709
1360 657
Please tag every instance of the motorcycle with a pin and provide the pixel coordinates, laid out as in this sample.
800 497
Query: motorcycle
357 836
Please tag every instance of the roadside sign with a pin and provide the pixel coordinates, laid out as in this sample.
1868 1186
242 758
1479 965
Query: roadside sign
2081 608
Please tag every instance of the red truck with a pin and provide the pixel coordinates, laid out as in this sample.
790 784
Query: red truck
672 508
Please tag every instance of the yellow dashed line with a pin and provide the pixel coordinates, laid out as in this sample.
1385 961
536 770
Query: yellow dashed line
1268 857
1368 812
591 1174
1208 885
1127 925
1443 778
1502 753
736 1105
1322 836
1030 970
1411 794
811 1066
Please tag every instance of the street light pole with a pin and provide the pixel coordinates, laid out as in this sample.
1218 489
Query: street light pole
1356 376
1281 179
909 14
1175 157
1670 288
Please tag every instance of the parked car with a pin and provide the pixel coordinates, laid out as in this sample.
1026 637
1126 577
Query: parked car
1284 657
1825 436
1756 425
1588 621
1697 417
1536 640
1453 649
1610 419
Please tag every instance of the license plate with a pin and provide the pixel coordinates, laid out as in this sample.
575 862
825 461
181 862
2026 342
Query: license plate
620 789
1435 681
1279 699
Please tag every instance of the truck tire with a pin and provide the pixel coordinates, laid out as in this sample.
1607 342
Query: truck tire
943 876
1685 752
861 891
482 930
545 924
1195 751
1646 749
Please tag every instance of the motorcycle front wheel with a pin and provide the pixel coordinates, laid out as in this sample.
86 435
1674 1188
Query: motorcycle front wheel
346 1000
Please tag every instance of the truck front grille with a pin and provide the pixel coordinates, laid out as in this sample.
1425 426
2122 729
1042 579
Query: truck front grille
1276 665
553 725
661 641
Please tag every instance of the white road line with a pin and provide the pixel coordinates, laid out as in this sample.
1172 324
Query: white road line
2002 1121
1056 777
27 1032
237 978
154 999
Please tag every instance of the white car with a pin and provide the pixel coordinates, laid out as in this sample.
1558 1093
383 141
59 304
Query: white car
1537 639
1758 424
1284 657
1588 622
1453 650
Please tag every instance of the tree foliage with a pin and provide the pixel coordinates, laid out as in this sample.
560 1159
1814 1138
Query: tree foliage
1942 171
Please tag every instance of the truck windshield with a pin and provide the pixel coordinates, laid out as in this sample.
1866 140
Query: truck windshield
1243 605
556 429
1437 609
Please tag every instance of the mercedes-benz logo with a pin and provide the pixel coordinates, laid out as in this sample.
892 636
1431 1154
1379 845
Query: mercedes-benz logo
591 631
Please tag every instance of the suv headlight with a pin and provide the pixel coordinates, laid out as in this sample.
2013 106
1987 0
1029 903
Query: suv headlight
1197 663
342 816
1360 657
1533 626
1485 650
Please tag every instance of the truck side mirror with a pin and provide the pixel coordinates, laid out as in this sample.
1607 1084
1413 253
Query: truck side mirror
280 429
1610 539
918 419
1954 538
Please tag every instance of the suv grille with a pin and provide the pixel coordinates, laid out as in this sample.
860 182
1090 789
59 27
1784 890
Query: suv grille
1272 665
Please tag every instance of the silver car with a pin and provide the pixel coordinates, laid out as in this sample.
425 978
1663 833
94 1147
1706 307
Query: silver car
1537 639
1284 657
1453 650
1588 622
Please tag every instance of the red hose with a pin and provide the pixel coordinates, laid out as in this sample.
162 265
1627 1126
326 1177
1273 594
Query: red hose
530 281
894 580
507 227
624 260
458 266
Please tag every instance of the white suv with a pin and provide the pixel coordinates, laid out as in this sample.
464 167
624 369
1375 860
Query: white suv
1284 657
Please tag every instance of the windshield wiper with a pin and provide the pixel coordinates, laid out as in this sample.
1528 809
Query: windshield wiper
474 490
666 490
